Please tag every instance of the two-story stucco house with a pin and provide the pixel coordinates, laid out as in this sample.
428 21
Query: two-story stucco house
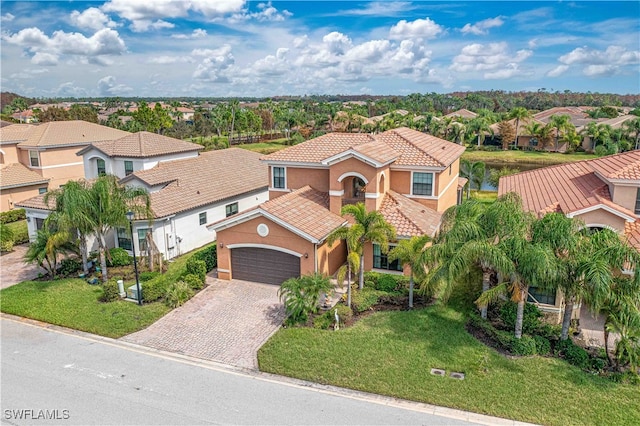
48 150
410 177
187 189
602 193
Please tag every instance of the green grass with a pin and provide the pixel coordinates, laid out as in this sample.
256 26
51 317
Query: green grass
391 353
73 303
265 147
533 157
484 197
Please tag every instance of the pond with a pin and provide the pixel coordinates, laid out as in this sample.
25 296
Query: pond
486 186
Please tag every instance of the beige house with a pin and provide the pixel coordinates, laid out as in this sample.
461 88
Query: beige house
48 150
603 193
409 176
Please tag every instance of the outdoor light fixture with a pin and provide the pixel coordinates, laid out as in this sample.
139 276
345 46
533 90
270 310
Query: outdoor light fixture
135 260
306 255
221 245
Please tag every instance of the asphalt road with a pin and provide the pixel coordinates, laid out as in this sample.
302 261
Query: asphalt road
82 380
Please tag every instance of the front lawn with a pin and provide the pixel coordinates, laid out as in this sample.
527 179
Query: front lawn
532 157
73 303
392 353
264 147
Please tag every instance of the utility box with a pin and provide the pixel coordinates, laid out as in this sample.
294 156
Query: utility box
121 288
132 292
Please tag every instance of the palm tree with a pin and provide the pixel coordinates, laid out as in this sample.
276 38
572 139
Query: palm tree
519 113
479 126
408 253
561 123
611 292
50 242
353 256
475 172
633 128
369 227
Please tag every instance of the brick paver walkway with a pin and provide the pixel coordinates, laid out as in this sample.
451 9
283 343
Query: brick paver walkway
13 268
227 322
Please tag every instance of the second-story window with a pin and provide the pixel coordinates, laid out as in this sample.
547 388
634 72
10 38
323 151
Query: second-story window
278 177
102 168
128 167
231 209
34 159
637 209
202 217
422 183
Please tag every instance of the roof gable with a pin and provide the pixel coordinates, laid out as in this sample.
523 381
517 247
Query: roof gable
142 145
65 133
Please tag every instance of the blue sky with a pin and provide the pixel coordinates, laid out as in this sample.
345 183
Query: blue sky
248 48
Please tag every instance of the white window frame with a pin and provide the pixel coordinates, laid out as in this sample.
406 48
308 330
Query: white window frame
433 184
230 207
273 177
31 158
201 217
125 167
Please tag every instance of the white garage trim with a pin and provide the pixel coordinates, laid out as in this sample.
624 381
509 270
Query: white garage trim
264 246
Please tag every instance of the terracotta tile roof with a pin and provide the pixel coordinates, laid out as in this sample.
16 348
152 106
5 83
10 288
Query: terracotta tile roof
464 113
36 202
575 113
142 145
410 218
195 182
522 124
632 234
420 149
75 132
15 133
619 166
462 182
307 210
377 150
412 148
16 175
565 187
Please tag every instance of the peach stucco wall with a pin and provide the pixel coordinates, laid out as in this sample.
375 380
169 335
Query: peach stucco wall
625 196
57 164
9 154
316 178
8 197
602 217
330 258
246 233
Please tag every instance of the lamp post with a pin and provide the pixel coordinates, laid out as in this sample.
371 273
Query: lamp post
135 260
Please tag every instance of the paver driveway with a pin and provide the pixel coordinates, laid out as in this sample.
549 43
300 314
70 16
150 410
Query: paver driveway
13 268
228 321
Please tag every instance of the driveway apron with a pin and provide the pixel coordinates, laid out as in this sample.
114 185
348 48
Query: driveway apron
227 322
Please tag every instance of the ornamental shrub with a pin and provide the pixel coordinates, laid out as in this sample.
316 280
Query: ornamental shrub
523 346
364 299
208 255
110 291
177 294
148 275
12 216
573 353
386 283
193 281
154 289
196 267
328 319
543 345
118 257
302 295
69 266
531 317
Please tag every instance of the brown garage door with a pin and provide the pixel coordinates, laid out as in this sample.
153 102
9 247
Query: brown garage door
263 265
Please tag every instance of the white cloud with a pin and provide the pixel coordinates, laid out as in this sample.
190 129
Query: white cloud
7 17
92 19
143 25
163 60
266 13
215 64
420 28
69 89
487 57
145 15
197 33
600 63
103 42
379 8
482 27
29 73
558 71
510 70
600 70
107 86
43 58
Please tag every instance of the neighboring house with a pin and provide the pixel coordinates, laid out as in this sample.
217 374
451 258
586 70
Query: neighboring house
17 183
409 176
525 138
462 113
603 193
47 150
188 194
187 190
133 152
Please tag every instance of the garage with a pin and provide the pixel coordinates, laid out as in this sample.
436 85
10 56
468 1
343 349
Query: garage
263 265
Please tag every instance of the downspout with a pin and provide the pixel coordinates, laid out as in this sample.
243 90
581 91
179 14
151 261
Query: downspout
315 257
166 241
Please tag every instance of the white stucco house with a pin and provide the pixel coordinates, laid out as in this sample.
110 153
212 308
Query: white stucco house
188 189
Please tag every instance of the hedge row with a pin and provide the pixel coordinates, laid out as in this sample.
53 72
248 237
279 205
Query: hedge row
12 216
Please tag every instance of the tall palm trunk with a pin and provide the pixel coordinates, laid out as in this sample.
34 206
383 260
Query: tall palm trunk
566 318
411 289
486 282
103 257
606 344
520 314
83 251
348 285
361 272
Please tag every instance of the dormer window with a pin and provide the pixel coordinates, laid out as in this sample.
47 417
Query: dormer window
422 184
